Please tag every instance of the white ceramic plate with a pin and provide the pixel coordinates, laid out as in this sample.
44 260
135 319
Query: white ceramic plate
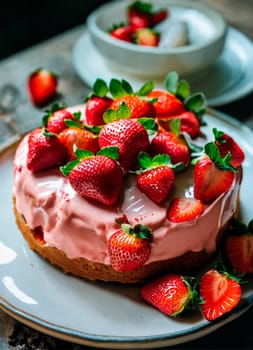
94 313
227 80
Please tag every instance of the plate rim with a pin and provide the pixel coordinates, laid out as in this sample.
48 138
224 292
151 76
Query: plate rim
219 100
103 341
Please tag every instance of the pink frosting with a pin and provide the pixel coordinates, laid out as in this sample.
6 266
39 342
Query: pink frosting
81 228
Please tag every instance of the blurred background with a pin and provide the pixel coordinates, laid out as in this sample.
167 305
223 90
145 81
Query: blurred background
27 22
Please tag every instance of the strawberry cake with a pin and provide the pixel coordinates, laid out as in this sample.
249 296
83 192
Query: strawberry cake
128 185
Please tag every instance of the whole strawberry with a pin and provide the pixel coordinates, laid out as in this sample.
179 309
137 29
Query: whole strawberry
129 247
166 103
55 119
129 136
41 86
137 102
139 107
74 137
174 146
44 150
239 247
171 294
213 175
156 179
220 292
97 103
97 177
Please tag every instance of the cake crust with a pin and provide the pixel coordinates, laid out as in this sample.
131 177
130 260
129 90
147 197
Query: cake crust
84 268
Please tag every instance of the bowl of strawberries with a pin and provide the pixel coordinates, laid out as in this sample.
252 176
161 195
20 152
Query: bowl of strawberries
151 38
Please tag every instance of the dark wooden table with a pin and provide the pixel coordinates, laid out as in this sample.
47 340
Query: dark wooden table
55 54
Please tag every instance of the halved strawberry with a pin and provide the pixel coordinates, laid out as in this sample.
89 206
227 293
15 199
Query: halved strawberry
171 294
41 86
239 247
156 178
129 247
213 175
225 144
220 293
44 150
97 177
184 209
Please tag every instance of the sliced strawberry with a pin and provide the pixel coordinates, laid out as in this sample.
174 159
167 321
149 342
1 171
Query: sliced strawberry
212 176
96 177
166 104
239 247
79 138
184 209
157 177
44 151
129 248
169 143
171 294
225 144
220 294
129 136
122 32
42 86
146 37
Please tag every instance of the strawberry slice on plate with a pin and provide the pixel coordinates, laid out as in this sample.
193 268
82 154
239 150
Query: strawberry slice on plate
220 292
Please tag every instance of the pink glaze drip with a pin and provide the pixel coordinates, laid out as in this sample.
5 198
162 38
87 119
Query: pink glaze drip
81 228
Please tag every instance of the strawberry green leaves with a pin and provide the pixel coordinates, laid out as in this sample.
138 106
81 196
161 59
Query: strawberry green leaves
195 103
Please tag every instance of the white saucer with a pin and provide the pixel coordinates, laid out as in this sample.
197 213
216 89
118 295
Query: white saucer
227 80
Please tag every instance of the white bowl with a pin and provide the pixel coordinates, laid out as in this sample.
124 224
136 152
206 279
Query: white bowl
206 29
